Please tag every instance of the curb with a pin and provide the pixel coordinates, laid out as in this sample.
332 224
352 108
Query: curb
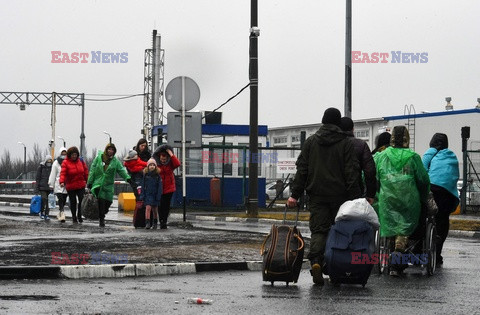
125 270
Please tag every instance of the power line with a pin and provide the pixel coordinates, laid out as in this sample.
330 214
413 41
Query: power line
231 98
113 99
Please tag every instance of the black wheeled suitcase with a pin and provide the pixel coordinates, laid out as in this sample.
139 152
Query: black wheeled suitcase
282 252
348 252
139 215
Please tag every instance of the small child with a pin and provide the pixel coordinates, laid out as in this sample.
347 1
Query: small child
151 192
135 167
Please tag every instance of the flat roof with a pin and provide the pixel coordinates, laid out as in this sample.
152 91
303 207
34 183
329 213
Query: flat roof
220 130
434 114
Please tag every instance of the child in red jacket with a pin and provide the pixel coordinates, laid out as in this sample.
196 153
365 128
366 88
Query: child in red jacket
167 163
135 167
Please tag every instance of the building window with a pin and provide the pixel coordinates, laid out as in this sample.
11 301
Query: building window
362 133
295 138
280 140
241 159
194 165
218 158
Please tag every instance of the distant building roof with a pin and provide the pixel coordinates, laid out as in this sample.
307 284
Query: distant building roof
444 113
220 130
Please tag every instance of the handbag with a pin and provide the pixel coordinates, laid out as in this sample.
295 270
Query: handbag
89 206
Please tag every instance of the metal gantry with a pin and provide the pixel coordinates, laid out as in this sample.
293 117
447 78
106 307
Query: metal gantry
22 99
153 88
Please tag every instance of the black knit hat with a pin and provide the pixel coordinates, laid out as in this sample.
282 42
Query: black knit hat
332 116
346 124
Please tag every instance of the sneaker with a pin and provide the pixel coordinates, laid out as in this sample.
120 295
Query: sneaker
317 274
47 218
42 216
80 220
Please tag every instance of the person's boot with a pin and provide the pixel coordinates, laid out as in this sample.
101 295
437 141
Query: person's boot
147 224
155 224
74 217
101 222
79 216
316 273
163 224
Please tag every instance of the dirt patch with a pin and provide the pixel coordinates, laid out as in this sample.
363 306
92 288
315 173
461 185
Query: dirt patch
32 242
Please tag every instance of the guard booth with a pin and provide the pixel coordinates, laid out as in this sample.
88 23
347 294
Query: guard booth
223 156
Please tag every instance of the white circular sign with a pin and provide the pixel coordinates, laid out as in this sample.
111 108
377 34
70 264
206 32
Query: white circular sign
173 93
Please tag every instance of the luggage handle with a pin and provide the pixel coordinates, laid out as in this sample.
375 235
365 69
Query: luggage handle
262 249
302 243
285 215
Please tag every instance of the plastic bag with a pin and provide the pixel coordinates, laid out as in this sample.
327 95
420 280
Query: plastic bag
357 209
89 206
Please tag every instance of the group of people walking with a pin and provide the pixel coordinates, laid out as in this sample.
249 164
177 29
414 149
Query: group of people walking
334 167
150 176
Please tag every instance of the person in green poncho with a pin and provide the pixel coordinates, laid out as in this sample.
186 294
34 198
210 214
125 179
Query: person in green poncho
101 179
403 186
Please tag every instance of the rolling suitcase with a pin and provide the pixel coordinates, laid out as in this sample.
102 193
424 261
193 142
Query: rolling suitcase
282 252
347 244
139 215
35 204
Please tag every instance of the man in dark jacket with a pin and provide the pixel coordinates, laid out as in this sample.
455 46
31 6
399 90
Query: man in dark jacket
328 170
43 174
365 159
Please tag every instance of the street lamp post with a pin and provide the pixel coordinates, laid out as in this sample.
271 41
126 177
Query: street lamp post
24 158
64 143
109 136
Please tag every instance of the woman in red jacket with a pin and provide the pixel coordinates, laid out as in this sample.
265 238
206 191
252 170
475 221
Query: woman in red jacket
73 176
167 163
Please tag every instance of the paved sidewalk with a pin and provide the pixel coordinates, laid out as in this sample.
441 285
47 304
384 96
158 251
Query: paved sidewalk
206 220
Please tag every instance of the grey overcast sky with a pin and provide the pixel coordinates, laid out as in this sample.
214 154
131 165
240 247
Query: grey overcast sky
301 60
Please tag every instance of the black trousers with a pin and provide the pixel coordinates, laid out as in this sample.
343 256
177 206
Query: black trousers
103 207
62 200
446 203
73 195
44 205
164 209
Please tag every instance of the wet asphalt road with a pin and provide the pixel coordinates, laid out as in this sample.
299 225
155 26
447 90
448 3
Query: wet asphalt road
453 290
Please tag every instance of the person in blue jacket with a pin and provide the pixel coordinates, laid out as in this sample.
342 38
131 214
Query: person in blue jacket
151 192
442 167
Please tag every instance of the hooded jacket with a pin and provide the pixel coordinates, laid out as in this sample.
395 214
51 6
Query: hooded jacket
403 186
102 174
43 173
73 174
327 167
367 165
54 179
442 164
166 170
151 192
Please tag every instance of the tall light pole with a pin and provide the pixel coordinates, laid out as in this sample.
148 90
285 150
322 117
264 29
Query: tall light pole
24 158
348 61
109 136
252 205
64 143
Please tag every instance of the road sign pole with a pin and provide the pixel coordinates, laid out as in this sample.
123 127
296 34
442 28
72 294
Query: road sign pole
184 182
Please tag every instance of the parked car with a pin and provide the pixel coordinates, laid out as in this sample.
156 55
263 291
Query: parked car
271 191
473 192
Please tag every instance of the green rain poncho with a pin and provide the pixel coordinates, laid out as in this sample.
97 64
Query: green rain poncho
404 184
